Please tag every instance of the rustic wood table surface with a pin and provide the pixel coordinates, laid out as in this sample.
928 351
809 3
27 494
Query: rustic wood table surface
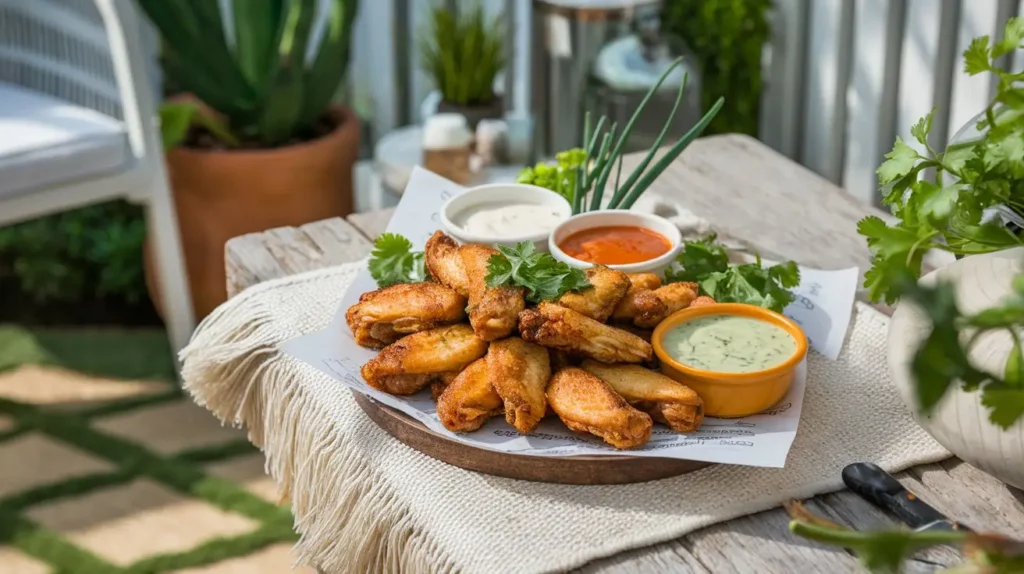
756 196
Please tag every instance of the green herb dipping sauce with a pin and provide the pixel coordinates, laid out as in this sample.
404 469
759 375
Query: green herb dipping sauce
729 344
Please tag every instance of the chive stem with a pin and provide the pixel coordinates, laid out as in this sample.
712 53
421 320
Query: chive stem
671 155
601 169
624 137
621 192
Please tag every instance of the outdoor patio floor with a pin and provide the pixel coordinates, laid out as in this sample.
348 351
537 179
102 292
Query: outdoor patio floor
105 475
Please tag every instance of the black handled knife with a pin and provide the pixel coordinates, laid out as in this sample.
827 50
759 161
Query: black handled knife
883 490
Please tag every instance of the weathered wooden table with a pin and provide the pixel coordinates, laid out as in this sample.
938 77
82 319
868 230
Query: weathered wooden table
758 197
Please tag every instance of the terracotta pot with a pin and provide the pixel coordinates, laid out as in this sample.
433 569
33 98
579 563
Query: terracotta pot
222 194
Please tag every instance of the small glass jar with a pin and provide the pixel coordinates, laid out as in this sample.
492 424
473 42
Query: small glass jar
447 147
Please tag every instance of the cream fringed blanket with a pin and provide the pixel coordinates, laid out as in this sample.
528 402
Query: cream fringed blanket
365 502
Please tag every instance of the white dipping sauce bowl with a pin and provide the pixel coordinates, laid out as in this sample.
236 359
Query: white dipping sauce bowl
502 193
609 217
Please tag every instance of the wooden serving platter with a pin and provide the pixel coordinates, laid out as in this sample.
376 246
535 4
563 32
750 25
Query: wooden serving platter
568 470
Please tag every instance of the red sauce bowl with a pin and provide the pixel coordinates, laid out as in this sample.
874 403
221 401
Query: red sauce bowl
618 218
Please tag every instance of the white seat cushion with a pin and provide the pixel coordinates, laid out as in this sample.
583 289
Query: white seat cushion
45 142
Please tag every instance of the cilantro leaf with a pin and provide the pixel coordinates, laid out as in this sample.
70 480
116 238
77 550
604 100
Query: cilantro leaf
922 128
698 260
898 162
897 252
1006 405
942 361
706 263
542 276
393 261
1013 34
976 57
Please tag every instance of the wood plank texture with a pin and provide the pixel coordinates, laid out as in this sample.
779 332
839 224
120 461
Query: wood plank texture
373 223
760 198
257 257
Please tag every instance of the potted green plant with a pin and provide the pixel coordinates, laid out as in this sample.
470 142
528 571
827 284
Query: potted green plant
463 54
955 352
256 141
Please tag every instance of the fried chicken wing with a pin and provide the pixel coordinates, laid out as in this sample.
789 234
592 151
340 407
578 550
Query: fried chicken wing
666 400
654 306
492 310
702 300
519 372
442 260
559 328
585 403
383 316
408 365
609 286
625 310
470 399
559 360
441 382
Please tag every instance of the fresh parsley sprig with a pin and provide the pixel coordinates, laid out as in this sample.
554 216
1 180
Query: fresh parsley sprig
542 276
952 213
393 261
706 263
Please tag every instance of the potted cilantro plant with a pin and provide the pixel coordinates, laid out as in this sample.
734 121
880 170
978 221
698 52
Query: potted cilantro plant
955 350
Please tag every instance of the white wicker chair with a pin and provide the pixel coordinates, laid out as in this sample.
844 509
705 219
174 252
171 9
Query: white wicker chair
77 126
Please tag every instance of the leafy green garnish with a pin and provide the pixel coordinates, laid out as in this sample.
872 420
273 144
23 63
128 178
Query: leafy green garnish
942 360
393 261
559 178
706 263
949 213
542 276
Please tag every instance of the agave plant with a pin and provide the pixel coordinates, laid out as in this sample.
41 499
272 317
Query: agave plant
463 54
262 86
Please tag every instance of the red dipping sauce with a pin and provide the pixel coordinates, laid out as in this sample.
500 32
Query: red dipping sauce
615 244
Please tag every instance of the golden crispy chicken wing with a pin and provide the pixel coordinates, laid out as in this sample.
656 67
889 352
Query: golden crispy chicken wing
492 310
556 327
444 263
519 371
408 365
666 400
383 316
598 302
585 403
469 400
654 306
625 310
441 382
701 301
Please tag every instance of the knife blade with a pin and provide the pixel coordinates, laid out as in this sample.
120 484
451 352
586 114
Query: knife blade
882 489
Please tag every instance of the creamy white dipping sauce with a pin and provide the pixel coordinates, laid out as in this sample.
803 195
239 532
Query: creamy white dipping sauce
729 344
507 219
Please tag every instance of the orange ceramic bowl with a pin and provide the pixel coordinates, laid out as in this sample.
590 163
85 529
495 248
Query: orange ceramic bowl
732 395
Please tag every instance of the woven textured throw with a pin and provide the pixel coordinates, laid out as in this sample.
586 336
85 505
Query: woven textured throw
365 502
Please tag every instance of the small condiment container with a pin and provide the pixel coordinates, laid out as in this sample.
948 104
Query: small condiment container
733 395
613 218
498 194
447 147
491 138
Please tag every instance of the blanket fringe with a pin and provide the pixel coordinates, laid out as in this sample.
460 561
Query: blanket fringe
348 518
